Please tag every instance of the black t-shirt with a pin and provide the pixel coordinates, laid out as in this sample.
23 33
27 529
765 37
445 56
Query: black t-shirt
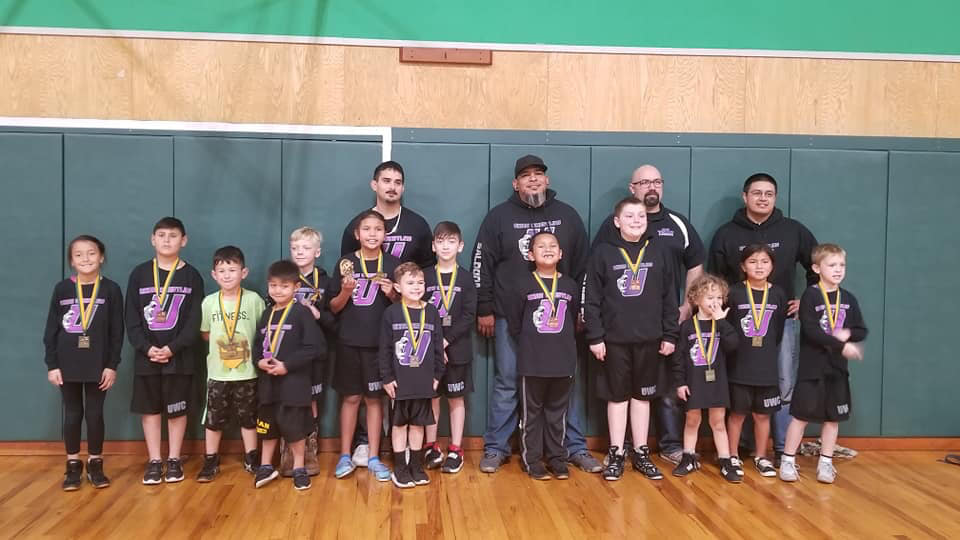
820 352
359 321
458 321
690 365
545 332
63 332
413 367
179 328
408 238
755 365
297 346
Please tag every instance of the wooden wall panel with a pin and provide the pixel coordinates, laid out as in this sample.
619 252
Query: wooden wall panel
57 76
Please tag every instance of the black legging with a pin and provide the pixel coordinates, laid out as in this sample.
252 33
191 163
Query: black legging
73 414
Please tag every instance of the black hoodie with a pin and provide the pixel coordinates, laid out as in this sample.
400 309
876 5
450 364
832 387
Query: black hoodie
790 241
499 255
615 311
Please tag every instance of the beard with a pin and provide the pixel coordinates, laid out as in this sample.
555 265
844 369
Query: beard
651 199
535 200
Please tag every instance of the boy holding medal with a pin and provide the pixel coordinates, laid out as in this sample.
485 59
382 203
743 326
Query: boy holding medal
630 310
285 357
831 327
450 290
542 310
411 365
229 324
163 315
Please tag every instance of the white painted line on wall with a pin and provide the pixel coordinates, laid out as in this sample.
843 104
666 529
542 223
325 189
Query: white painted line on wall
518 47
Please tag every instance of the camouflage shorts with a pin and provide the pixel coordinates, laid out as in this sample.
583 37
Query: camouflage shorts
231 399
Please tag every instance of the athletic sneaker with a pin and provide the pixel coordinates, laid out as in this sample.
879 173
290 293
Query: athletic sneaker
416 468
345 466
642 463
211 466
251 460
764 467
809 448
73 477
788 471
380 471
453 463
688 464
826 473
154 473
672 457
401 476
614 468
537 471
433 459
492 461
361 455
174 471
586 462
265 475
736 464
558 468
95 473
301 479
843 451
729 472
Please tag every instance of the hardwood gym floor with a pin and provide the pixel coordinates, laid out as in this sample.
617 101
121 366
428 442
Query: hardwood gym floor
879 494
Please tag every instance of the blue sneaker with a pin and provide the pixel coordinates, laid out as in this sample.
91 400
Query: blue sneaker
344 467
379 469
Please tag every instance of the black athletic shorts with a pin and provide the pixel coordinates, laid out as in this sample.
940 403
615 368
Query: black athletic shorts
630 371
357 372
275 421
457 381
412 412
746 399
159 394
231 399
822 400
318 378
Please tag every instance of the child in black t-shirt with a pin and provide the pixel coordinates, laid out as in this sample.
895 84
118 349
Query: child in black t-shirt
359 293
83 338
541 311
285 358
758 309
450 289
411 366
831 325
700 372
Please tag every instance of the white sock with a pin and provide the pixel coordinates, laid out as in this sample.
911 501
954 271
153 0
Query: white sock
788 459
826 460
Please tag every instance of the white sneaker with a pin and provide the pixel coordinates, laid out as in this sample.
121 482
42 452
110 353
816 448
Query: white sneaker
788 471
737 465
826 473
361 456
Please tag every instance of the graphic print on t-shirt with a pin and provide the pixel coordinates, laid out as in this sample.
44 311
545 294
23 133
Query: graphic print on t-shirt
542 320
825 318
365 293
403 348
171 308
395 244
268 337
531 229
437 301
306 293
71 319
629 284
748 326
696 355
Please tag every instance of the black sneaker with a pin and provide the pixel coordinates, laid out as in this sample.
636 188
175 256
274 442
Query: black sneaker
420 477
154 472
174 471
433 459
688 464
558 468
401 476
301 479
211 466
737 465
453 463
538 471
642 463
251 460
614 468
729 472
265 475
73 476
95 474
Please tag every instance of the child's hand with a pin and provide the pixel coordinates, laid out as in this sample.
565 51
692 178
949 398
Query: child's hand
385 285
107 378
852 351
683 392
391 389
265 364
278 368
720 313
55 377
436 383
667 348
348 283
156 355
599 351
843 334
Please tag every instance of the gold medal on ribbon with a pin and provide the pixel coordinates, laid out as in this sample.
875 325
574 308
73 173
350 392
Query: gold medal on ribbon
635 283
414 337
275 337
86 313
161 294
232 353
315 286
446 296
756 313
551 295
707 352
363 266
832 315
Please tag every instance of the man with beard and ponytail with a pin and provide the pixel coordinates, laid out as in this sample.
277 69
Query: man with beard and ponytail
500 258
675 236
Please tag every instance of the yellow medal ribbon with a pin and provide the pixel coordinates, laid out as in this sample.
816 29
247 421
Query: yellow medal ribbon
634 265
230 323
713 340
363 264
86 314
423 319
831 315
276 335
446 296
553 291
315 285
757 314
162 294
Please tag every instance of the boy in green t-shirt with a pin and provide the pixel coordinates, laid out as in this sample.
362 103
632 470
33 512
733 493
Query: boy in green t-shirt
231 375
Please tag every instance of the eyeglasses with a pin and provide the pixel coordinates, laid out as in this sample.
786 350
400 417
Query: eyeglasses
656 182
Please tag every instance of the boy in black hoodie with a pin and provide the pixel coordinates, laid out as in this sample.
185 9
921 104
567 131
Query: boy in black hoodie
630 309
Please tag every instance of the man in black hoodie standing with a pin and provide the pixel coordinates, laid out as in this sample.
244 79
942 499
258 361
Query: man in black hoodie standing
500 258
761 222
